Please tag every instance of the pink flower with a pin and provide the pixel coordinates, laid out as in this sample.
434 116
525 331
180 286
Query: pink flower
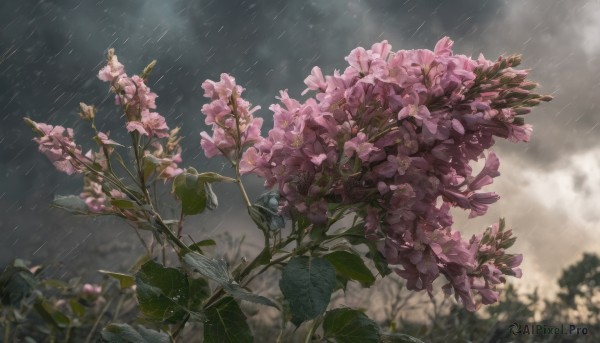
117 194
315 81
360 146
57 144
151 124
443 47
103 139
94 197
233 125
222 89
135 96
91 290
136 126
155 124
486 175
359 59
250 160
113 69
166 160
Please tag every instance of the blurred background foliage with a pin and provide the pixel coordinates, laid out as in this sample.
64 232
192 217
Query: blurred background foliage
38 309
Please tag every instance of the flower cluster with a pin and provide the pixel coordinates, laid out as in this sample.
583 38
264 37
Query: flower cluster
393 135
58 144
165 160
93 196
135 96
233 125
493 264
137 101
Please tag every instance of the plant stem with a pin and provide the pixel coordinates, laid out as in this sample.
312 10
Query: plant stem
180 224
267 266
118 309
7 331
161 225
213 298
180 327
312 329
241 186
170 235
135 229
91 334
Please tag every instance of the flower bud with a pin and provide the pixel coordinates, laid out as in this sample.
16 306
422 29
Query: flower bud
148 70
86 112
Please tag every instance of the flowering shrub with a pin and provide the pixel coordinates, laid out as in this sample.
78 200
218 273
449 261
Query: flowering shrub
387 143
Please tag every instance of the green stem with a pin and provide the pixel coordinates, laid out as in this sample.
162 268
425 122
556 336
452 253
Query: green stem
135 229
118 309
180 327
161 225
135 136
267 266
313 326
213 298
91 334
120 159
241 187
7 331
170 235
180 224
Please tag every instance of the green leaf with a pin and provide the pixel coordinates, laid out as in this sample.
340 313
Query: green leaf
137 265
191 191
199 291
162 293
214 177
77 308
307 283
123 204
197 247
216 270
240 293
351 266
226 323
58 284
16 284
206 243
379 260
355 235
347 325
51 314
341 282
398 338
70 203
125 280
124 333
149 165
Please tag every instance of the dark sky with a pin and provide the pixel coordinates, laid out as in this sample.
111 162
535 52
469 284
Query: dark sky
50 52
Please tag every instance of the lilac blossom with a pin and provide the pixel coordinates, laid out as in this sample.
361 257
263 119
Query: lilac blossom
233 125
394 135
57 143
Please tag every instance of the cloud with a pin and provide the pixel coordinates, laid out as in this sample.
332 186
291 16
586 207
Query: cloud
553 221
551 37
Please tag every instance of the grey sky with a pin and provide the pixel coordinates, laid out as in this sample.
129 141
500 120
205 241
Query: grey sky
50 52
